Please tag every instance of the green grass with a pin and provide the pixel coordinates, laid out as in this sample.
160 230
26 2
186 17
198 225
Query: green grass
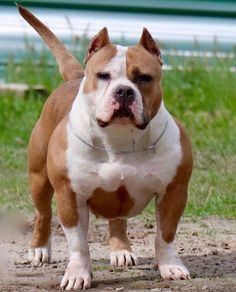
204 100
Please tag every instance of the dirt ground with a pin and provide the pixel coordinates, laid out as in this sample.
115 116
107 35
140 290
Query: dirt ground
207 247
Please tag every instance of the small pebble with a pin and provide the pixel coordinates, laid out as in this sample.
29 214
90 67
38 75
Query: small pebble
120 289
215 252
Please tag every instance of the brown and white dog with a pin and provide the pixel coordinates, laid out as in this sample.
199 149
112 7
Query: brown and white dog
105 142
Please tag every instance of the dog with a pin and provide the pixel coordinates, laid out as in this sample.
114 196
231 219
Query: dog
105 143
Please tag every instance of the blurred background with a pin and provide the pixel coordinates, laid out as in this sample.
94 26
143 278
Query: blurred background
183 28
197 40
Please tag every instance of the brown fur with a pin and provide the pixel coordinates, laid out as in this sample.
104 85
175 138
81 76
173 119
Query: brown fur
56 107
57 171
149 44
39 185
111 204
100 40
173 203
140 61
97 64
118 239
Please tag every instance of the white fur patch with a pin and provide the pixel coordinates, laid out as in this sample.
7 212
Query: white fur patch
144 174
40 255
78 271
102 101
168 260
123 258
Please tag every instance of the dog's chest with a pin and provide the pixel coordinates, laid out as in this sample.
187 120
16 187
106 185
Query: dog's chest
122 186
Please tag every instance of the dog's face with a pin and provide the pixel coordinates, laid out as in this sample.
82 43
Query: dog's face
123 85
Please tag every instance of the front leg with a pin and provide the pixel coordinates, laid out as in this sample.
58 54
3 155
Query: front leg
74 220
168 213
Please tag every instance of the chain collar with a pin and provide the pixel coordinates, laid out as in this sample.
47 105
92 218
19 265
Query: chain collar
149 148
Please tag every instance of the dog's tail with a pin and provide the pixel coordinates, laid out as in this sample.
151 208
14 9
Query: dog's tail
69 66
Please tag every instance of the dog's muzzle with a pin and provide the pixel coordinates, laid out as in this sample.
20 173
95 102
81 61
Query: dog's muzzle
124 96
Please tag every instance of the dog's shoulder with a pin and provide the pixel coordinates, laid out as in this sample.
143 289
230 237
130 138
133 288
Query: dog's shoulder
59 103
184 170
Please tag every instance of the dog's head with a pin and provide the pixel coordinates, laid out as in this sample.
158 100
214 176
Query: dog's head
123 84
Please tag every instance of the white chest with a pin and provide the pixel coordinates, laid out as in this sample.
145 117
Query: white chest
143 175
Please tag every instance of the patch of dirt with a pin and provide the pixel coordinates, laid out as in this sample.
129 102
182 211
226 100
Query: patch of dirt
207 247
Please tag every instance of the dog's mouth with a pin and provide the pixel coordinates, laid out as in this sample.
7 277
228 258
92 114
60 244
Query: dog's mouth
121 113
123 116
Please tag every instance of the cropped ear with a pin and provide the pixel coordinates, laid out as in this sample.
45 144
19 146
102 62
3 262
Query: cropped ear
98 41
150 45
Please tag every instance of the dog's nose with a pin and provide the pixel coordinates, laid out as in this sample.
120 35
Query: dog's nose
124 95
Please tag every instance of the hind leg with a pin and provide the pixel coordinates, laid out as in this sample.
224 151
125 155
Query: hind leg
41 192
120 250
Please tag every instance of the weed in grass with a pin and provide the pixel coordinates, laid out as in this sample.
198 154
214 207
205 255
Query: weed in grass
204 100
101 268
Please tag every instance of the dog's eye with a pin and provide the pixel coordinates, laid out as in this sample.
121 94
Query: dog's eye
143 78
103 75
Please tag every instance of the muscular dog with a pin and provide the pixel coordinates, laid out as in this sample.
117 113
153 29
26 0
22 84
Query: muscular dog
105 143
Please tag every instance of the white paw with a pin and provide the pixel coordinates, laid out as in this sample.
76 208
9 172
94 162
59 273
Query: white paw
76 277
39 255
123 258
174 272
169 263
